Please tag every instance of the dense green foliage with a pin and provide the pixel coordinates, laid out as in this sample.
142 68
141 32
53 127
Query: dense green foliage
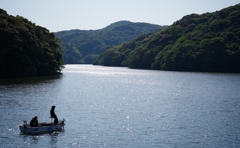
85 46
209 42
27 50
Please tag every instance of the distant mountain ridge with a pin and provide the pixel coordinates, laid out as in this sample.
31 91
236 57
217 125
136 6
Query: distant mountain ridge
85 46
117 24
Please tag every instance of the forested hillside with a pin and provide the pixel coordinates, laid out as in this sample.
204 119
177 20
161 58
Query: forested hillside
85 46
27 50
209 42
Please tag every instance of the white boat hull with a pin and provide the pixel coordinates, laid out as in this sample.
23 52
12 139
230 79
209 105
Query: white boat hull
44 127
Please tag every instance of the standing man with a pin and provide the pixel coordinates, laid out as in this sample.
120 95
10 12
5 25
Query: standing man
53 115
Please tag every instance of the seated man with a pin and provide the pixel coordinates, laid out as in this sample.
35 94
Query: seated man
34 122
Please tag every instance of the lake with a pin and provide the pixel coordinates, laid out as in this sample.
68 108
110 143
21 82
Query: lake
121 107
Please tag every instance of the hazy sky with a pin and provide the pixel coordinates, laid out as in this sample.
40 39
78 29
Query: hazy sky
58 15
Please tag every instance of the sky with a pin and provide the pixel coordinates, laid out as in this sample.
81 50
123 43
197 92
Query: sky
59 15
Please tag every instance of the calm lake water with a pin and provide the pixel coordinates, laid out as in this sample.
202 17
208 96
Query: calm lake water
121 107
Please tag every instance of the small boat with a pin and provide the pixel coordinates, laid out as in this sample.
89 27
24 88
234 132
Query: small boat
42 127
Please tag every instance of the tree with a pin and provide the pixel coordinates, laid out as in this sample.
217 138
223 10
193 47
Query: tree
27 50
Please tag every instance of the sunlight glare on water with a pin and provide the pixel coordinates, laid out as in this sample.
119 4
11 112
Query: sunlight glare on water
121 107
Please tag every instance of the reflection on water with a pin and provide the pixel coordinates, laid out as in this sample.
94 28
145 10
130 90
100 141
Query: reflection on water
33 80
31 140
121 107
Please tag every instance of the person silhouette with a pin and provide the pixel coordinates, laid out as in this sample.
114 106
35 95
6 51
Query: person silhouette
34 122
53 115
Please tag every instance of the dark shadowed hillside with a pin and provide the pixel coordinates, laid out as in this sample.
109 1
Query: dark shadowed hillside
27 50
85 46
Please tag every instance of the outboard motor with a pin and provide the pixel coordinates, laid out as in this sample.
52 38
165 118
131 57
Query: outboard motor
25 123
